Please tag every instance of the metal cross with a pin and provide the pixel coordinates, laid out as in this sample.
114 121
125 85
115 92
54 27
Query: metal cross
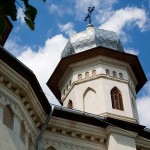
90 9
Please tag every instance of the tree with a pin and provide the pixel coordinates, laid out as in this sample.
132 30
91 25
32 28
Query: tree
8 8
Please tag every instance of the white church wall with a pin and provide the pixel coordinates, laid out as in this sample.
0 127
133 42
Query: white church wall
120 142
1 112
133 105
99 87
120 139
10 138
13 136
79 94
16 126
124 89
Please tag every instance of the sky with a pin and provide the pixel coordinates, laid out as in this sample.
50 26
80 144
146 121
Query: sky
57 20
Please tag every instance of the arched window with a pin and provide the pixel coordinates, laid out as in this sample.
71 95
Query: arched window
120 75
116 99
70 104
89 100
93 73
80 77
64 91
86 75
107 72
114 74
70 83
8 117
67 87
22 132
51 148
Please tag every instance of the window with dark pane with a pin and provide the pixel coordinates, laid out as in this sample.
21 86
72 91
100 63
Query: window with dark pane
114 74
107 72
51 148
116 98
70 104
8 117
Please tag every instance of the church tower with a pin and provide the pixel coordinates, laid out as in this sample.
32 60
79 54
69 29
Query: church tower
96 76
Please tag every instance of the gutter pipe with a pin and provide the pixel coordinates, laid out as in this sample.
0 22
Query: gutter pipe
44 127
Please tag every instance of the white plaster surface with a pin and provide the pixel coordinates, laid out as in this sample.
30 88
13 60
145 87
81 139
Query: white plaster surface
98 99
120 142
9 139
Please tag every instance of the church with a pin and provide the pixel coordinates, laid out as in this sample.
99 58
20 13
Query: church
96 83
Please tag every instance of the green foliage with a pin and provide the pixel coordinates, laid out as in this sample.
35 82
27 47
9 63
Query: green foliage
8 8
30 15
2 27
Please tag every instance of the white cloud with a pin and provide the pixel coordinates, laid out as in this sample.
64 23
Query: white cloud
20 15
114 20
124 17
101 6
132 51
44 61
59 10
143 105
13 46
53 8
68 28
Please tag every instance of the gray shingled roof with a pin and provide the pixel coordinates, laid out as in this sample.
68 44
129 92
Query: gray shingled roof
91 38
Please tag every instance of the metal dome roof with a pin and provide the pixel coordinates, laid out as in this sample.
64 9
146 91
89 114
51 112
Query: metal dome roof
92 38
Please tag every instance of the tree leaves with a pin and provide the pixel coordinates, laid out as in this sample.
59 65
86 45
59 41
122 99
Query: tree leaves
2 27
29 23
30 14
8 8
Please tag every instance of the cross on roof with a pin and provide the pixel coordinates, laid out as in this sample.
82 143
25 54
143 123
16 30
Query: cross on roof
90 9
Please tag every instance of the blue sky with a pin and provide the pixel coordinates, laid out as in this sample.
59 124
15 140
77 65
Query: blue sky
58 19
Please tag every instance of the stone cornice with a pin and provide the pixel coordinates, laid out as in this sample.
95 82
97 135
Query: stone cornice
76 130
119 117
20 88
117 130
142 143
62 142
94 78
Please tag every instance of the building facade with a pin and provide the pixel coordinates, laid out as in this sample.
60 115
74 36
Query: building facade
96 83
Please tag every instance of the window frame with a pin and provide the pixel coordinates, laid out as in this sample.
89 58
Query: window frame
116 99
9 123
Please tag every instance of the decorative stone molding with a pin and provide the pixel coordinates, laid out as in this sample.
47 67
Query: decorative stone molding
18 113
94 78
95 64
61 145
80 131
120 131
82 136
142 143
73 134
22 96
142 148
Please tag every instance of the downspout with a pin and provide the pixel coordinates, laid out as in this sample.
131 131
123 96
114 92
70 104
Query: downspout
44 127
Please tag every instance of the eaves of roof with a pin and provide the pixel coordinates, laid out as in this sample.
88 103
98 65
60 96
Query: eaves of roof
25 72
64 63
